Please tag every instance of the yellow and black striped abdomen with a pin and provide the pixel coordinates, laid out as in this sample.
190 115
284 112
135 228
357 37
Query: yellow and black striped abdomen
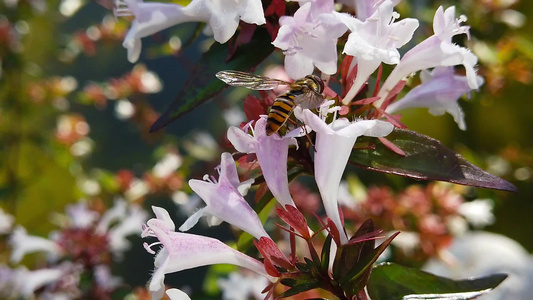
280 112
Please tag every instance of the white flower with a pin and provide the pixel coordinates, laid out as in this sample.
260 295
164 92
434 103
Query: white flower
334 143
80 216
437 50
224 201
375 40
167 165
242 287
365 8
222 17
309 39
478 212
120 221
27 282
272 153
105 279
182 251
175 294
130 225
481 254
22 244
138 188
6 222
439 91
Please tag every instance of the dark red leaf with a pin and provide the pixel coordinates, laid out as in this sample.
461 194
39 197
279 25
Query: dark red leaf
292 216
425 158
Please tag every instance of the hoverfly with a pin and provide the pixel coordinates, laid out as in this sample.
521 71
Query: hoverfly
305 92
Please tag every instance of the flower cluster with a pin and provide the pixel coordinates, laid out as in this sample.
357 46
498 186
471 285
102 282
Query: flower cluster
83 249
375 34
323 145
428 217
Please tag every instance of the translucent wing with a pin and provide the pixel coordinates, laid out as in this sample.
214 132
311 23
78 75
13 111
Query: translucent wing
250 81
309 100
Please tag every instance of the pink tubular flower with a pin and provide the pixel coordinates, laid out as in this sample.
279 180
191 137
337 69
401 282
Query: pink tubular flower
182 251
272 152
334 143
375 40
224 201
312 27
439 91
222 17
437 50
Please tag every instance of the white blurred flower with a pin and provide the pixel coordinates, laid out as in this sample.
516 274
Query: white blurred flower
69 7
23 244
80 216
513 18
82 147
478 212
242 287
26 282
130 225
202 146
89 186
138 189
124 109
187 204
482 253
6 222
346 199
105 279
407 241
120 221
167 165
233 116
151 83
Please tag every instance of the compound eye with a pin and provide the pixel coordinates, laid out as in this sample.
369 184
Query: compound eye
319 82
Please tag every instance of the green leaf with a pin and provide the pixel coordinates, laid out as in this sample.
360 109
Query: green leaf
202 85
324 256
389 281
425 158
357 278
349 254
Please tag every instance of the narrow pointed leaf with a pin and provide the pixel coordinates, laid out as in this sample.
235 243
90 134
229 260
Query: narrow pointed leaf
351 253
202 84
425 158
357 278
324 256
390 281
292 216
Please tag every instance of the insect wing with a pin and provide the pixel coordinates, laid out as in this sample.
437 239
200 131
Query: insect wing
309 100
250 81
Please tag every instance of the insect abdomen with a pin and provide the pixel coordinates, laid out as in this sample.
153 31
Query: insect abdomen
280 112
